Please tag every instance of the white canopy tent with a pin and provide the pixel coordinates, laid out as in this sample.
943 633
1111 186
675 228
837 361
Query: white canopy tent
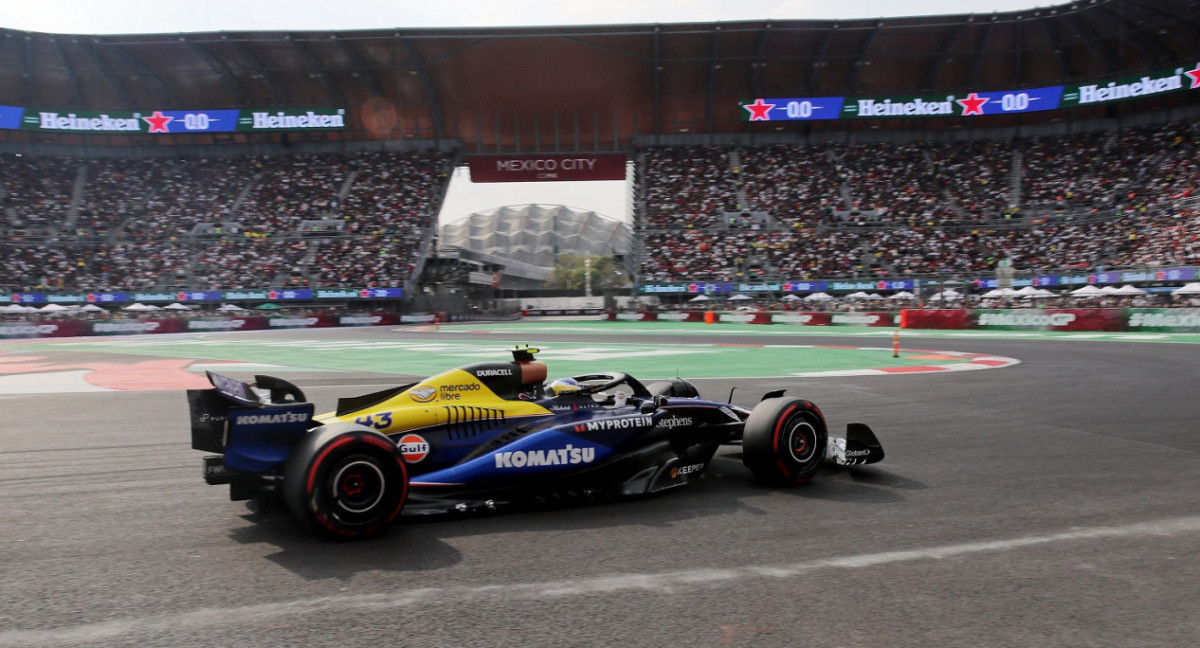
999 293
1188 289
949 294
1131 290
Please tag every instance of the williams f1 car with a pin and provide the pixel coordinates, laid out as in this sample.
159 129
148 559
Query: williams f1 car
489 434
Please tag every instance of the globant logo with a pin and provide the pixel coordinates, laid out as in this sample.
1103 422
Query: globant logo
26 331
215 325
371 320
295 321
791 319
855 319
125 327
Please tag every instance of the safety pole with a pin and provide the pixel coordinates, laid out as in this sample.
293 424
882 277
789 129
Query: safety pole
896 343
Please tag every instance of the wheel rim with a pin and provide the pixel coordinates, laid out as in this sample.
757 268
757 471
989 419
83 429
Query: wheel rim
358 485
801 441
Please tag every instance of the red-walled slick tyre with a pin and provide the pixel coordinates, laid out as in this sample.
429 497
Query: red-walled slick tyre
346 482
784 441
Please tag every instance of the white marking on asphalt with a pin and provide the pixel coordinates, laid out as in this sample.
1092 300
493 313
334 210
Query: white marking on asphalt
663 583
49 382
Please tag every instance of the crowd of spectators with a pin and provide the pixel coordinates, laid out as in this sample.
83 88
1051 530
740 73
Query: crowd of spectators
217 222
688 186
798 185
834 210
89 267
1150 238
35 191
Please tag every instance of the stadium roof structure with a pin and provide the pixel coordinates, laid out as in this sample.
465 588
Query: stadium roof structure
596 88
536 234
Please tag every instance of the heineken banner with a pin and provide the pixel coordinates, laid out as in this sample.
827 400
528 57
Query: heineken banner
966 104
203 296
10 117
172 121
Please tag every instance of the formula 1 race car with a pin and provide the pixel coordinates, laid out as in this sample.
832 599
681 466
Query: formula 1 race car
489 434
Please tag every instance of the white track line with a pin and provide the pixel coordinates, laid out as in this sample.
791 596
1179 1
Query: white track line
666 583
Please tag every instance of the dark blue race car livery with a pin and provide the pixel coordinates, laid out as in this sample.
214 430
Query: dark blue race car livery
491 434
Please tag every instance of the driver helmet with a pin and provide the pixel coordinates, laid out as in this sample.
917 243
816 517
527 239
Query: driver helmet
563 386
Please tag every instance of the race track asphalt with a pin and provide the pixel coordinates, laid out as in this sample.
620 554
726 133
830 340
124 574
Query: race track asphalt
1051 502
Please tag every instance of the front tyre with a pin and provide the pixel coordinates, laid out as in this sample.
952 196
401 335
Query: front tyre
783 443
346 482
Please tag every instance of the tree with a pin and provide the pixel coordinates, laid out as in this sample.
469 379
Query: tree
569 272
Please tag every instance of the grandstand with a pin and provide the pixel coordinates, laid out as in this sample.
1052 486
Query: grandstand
320 160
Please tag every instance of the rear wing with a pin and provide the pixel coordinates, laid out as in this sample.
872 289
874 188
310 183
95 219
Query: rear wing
247 422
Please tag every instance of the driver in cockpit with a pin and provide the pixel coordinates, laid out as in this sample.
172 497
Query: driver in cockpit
562 387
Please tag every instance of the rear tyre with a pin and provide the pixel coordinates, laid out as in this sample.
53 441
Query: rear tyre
784 441
346 482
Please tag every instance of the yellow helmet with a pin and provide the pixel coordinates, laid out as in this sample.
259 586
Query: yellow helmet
563 386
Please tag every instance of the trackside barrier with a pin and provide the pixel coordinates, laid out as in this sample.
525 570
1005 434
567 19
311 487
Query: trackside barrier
746 317
73 328
874 318
1185 320
803 319
1052 319
680 316
1021 319
936 318
638 316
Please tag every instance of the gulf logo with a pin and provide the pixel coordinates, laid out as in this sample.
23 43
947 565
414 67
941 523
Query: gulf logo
413 447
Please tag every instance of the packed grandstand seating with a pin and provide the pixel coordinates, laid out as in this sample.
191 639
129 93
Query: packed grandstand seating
318 220
1096 200
833 210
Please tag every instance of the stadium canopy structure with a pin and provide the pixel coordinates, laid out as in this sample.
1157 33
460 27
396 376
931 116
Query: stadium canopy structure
595 88
527 239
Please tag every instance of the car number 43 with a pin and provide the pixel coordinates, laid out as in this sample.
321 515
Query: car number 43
380 421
